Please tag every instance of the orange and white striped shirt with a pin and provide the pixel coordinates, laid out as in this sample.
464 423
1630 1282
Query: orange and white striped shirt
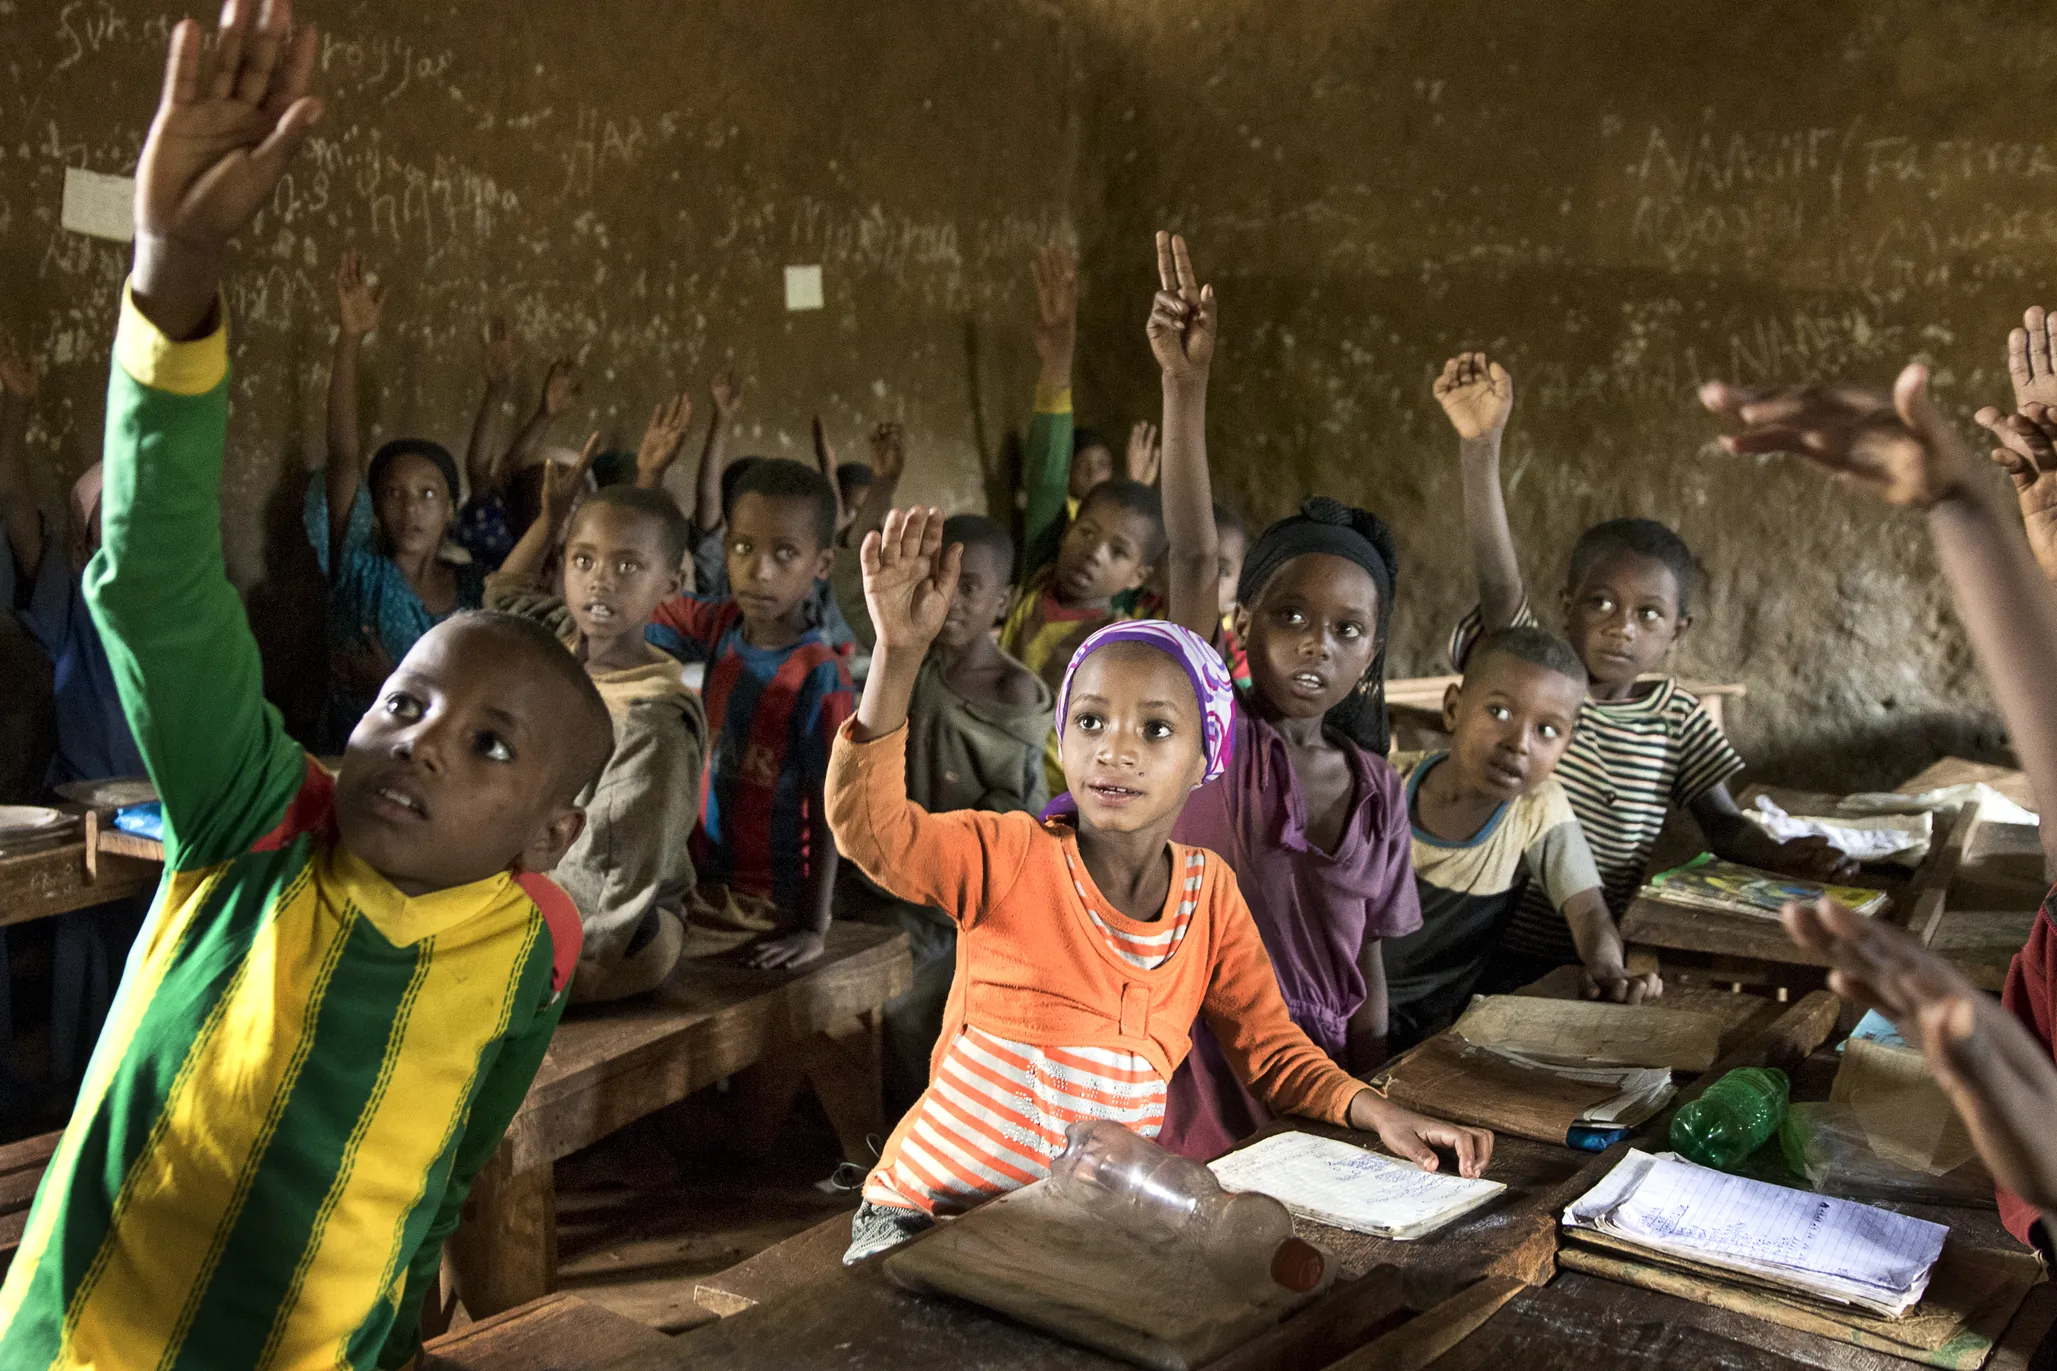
994 1114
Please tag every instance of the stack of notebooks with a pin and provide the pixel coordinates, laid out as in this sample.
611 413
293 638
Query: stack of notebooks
1674 1214
1707 882
1345 1186
1572 1072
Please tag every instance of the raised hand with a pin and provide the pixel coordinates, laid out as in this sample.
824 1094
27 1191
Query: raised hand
1477 394
824 451
727 392
1182 314
662 440
2028 454
21 373
2032 358
497 352
1056 273
563 484
232 113
909 578
560 387
1894 443
888 452
2001 1080
358 304
1144 453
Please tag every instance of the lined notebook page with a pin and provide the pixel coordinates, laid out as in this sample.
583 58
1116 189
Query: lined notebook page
1346 1186
1693 1209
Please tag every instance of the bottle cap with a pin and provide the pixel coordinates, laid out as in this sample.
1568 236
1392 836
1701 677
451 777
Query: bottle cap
1297 1265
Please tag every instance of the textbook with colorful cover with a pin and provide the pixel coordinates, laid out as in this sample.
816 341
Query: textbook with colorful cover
1707 882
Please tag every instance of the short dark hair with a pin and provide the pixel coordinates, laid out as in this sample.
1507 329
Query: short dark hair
1135 498
780 478
1645 538
731 474
857 474
1537 646
1083 437
428 448
1227 520
591 729
976 530
656 505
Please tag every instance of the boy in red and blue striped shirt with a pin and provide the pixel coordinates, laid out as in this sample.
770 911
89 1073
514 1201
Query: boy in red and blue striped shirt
776 692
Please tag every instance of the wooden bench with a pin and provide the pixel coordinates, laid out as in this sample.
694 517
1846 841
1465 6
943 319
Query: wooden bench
74 875
555 1333
610 1065
21 1171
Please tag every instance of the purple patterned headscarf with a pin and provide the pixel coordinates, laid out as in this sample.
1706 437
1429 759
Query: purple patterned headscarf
1204 668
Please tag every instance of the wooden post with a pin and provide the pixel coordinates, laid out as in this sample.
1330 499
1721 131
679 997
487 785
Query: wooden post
504 1252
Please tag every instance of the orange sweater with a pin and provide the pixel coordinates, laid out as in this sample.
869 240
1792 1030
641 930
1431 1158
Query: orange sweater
1032 968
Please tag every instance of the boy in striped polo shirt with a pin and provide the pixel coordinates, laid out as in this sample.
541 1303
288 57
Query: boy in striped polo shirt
1641 744
347 981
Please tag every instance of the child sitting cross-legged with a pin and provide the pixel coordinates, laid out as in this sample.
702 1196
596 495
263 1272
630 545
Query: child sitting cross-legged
631 871
976 722
1088 943
1643 742
347 981
1489 819
776 692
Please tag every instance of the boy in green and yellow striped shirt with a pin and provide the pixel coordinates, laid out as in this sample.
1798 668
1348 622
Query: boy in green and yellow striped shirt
347 981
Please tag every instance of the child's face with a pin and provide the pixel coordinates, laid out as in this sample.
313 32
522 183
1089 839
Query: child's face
1133 745
775 556
1311 635
1623 617
1103 554
462 766
983 585
1231 547
1089 467
616 571
412 504
1509 723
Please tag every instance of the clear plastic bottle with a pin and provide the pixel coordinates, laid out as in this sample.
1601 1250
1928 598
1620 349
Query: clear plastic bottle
1733 1118
1245 1239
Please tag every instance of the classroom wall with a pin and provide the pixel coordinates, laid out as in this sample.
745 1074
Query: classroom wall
1619 200
627 180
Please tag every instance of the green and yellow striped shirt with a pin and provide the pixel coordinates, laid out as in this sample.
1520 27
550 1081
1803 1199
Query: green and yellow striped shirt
304 1068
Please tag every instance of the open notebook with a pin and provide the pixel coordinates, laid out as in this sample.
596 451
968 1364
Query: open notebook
1346 1186
1794 1240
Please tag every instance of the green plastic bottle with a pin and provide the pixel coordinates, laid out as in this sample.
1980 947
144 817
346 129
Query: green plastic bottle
1733 1118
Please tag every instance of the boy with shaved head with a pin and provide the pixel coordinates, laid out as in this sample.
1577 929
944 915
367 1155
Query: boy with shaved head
347 981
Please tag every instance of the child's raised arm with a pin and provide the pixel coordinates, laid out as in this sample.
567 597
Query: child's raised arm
1182 333
662 439
2024 452
1478 395
358 309
728 398
484 458
888 464
1046 466
1997 1075
908 579
561 485
560 388
1907 453
20 376
825 459
231 115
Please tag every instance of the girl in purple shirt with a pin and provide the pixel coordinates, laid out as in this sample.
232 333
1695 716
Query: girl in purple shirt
1309 815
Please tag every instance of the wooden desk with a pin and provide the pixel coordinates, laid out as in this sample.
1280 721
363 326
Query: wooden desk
555 1333
609 1065
59 879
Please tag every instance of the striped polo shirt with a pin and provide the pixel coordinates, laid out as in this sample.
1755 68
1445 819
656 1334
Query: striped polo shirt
1628 760
994 1114
303 1068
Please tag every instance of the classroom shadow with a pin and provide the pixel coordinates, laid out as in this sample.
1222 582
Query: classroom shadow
288 610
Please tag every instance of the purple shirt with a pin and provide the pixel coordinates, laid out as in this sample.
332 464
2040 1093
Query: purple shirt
1314 909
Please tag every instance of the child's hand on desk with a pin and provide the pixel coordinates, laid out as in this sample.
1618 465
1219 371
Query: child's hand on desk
2001 1080
1476 394
1894 443
909 578
1416 1136
792 950
1618 985
230 117
1183 321
1813 859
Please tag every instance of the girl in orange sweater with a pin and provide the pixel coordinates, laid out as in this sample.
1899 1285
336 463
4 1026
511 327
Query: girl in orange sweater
1088 942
